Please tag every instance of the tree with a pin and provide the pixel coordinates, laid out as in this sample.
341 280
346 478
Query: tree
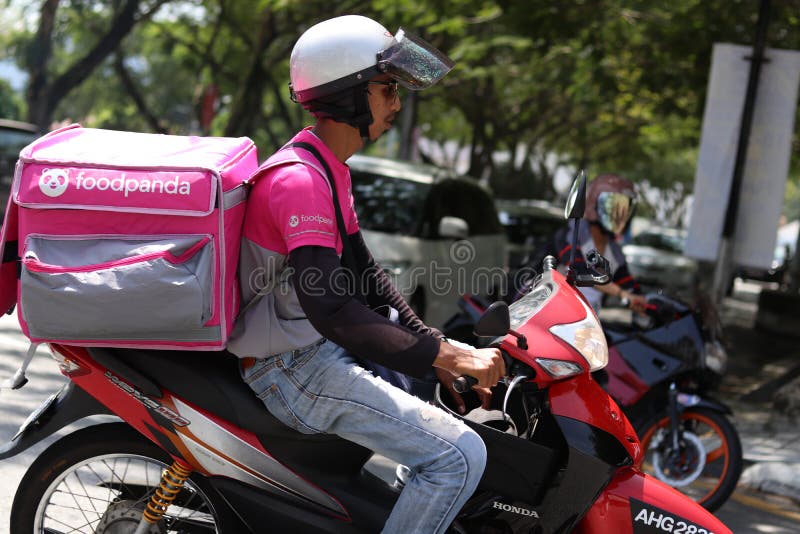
10 107
598 85
88 32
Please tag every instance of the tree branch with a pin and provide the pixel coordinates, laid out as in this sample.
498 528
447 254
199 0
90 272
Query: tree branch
136 96
107 44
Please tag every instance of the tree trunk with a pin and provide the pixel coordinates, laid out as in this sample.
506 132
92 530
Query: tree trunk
794 268
130 87
407 127
37 57
251 92
44 94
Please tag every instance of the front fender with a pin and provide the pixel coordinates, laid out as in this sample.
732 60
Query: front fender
635 503
687 401
66 406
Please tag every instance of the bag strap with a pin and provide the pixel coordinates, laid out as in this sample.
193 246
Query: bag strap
348 256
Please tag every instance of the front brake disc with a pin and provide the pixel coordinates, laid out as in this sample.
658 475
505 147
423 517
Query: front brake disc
681 468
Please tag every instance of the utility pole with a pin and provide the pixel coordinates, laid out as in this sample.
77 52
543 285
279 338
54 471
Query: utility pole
408 124
723 270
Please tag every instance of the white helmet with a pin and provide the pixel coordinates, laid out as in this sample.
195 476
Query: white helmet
347 51
336 54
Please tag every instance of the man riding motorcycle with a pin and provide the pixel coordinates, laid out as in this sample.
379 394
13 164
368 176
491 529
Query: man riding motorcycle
303 340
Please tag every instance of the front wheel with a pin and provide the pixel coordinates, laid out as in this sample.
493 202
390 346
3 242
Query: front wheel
98 480
708 461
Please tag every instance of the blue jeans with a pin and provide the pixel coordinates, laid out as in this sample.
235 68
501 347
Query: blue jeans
321 388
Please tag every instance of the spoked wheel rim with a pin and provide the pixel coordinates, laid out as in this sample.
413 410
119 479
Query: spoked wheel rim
699 429
78 499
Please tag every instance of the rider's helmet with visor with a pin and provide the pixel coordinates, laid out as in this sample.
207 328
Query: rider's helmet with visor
333 61
610 202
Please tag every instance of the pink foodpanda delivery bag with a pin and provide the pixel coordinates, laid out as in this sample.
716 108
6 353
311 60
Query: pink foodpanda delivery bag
127 239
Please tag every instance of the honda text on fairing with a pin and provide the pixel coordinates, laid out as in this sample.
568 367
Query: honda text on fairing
189 450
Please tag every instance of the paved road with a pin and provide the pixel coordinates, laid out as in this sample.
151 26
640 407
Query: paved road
43 379
746 513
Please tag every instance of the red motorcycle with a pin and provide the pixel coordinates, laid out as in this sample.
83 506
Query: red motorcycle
193 450
662 370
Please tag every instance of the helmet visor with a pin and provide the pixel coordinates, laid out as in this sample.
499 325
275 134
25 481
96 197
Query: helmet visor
413 62
614 210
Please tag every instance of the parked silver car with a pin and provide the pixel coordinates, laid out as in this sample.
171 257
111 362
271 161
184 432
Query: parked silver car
437 234
529 225
655 259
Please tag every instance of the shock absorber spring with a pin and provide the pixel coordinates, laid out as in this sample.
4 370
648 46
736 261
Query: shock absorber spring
172 480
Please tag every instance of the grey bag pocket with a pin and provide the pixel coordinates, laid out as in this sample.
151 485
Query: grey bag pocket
116 289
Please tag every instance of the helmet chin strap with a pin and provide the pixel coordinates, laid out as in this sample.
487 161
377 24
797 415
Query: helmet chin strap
354 111
363 115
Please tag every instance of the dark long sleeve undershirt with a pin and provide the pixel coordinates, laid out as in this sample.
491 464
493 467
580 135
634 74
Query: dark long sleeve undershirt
339 316
381 290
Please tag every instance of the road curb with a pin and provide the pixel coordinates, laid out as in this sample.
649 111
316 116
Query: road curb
774 477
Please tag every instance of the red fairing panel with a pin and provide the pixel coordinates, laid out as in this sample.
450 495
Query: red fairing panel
581 398
635 503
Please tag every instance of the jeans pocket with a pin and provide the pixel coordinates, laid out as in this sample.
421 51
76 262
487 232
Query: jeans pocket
277 405
298 358
258 369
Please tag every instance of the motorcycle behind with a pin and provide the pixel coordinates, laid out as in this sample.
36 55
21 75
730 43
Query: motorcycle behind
662 371
193 451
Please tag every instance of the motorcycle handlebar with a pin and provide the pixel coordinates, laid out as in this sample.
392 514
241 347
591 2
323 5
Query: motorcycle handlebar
663 309
464 383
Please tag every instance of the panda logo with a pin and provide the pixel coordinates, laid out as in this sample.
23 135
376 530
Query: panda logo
54 182
294 220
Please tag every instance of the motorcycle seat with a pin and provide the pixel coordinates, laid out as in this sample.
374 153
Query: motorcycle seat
210 380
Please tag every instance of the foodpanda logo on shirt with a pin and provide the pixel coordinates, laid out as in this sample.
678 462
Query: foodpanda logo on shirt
319 219
295 220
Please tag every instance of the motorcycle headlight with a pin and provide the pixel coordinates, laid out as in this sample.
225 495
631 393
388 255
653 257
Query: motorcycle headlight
587 338
716 357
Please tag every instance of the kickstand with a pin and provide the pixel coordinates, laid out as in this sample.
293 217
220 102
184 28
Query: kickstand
19 380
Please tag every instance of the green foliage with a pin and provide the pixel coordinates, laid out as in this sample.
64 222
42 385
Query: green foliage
605 85
10 102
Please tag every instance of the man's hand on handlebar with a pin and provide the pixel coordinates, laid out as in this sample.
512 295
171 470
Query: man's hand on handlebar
485 365
637 303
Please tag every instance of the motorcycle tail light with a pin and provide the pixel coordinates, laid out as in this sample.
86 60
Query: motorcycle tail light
66 366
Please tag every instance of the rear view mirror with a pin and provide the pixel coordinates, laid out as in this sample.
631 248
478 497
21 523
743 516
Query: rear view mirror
576 200
494 322
453 227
